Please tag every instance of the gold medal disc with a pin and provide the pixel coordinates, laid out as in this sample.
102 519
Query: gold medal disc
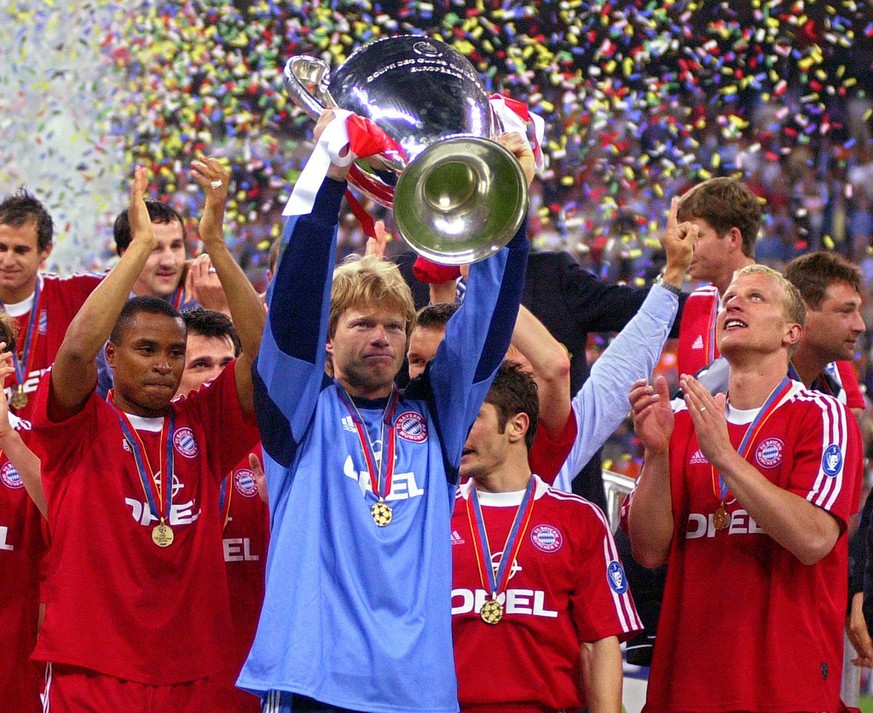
491 611
382 513
19 398
162 535
720 519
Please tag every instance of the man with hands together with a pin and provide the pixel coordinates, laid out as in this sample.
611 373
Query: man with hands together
747 496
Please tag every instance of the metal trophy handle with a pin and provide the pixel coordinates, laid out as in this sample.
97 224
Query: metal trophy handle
304 71
458 196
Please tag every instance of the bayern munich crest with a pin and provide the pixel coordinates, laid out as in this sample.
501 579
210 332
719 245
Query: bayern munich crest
244 482
832 460
183 440
615 575
10 477
410 426
546 538
769 453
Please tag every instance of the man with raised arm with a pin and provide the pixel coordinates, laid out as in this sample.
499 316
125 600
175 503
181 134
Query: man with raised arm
746 497
132 620
361 477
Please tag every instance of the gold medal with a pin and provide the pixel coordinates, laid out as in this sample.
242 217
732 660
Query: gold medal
491 611
382 513
163 535
19 398
720 519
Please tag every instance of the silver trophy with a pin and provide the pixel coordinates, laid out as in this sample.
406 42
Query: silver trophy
457 195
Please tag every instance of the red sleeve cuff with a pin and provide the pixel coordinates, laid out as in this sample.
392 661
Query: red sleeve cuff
431 273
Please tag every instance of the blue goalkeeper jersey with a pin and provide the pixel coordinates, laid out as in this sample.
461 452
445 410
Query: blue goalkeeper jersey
355 615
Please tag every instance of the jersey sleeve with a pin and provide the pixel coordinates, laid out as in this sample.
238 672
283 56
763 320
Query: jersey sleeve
849 381
58 442
547 455
289 370
477 337
602 403
827 458
602 604
231 435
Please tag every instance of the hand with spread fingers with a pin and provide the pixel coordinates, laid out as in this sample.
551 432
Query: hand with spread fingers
707 415
214 179
652 414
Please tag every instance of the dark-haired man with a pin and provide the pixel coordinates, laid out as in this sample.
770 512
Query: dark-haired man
212 345
162 275
132 617
538 587
831 290
42 304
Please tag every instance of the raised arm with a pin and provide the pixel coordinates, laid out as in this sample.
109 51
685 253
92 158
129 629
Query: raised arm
74 372
601 403
479 333
650 519
245 304
551 370
290 365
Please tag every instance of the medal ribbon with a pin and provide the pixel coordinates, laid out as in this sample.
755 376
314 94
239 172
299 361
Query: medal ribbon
178 296
380 488
497 583
224 498
22 366
773 402
160 499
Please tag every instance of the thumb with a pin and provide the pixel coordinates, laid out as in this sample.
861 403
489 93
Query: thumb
662 389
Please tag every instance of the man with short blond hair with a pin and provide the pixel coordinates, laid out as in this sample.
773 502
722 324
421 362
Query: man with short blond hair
764 475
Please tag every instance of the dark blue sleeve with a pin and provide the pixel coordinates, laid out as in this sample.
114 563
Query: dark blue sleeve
477 337
289 371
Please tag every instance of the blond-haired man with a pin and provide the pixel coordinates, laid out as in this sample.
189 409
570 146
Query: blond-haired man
361 477
746 497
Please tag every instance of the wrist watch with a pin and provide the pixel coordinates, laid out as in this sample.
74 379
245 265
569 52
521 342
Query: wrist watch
659 280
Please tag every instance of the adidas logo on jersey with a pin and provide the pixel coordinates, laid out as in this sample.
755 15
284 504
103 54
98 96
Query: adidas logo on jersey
698 343
456 538
698 458
349 424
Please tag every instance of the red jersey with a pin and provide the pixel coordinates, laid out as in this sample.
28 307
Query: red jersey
744 624
57 299
546 455
21 549
566 586
246 537
117 603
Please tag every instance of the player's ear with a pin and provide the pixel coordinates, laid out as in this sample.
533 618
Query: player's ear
793 333
110 350
517 427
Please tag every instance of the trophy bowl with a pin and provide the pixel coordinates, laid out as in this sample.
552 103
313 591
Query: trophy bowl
458 196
